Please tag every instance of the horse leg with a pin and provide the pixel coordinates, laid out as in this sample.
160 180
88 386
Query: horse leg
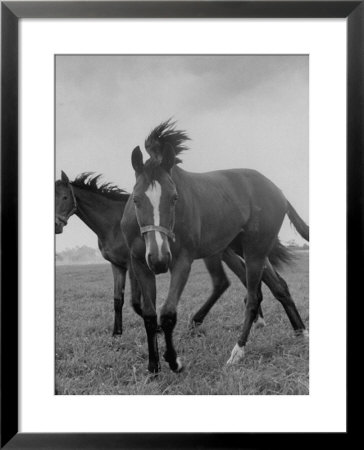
281 292
220 283
135 293
146 280
168 317
119 274
259 318
237 265
254 266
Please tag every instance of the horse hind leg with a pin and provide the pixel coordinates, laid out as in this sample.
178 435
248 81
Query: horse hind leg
259 320
280 290
237 265
254 265
220 283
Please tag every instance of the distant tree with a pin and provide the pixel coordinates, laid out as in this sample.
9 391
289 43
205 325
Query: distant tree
83 254
59 257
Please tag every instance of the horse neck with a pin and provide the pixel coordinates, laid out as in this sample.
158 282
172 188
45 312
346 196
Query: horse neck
188 191
100 213
180 176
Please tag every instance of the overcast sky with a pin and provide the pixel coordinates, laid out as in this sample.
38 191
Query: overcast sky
239 111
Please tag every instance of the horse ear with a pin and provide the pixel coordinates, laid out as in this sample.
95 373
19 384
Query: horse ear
169 157
137 160
64 177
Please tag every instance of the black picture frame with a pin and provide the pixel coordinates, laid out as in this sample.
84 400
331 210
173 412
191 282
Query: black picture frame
11 12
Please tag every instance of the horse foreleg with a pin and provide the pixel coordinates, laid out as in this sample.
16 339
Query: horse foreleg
146 280
237 265
168 317
135 292
119 274
220 283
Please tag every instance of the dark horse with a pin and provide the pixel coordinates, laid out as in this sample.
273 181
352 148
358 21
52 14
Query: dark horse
101 207
176 216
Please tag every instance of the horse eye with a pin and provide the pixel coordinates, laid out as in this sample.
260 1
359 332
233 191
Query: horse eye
65 198
174 198
136 200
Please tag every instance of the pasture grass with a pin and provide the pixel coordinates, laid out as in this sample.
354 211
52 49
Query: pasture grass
90 361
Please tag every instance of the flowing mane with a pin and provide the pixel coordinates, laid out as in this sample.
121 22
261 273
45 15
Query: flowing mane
89 181
163 134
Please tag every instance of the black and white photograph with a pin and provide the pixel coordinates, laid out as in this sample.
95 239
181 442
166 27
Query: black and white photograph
181 224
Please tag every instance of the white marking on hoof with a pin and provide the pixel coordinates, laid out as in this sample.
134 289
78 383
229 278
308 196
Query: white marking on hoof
179 364
260 323
302 334
305 334
237 355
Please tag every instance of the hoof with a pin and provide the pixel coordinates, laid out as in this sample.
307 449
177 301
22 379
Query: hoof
154 369
260 323
303 334
237 355
150 377
196 328
197 332
193 324
117 333
174 364
177 366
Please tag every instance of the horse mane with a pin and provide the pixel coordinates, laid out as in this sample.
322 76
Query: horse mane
162 134
89 181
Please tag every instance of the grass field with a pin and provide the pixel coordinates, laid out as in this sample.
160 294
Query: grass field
90 361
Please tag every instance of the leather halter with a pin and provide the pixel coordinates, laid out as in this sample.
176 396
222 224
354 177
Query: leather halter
64 219
159 228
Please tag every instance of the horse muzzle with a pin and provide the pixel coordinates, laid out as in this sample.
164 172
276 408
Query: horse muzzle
59 224
159 265
157 252
58 228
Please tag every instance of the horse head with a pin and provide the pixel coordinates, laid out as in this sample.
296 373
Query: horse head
65 202
155 196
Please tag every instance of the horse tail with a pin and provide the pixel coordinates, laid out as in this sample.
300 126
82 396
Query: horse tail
280 255
302 228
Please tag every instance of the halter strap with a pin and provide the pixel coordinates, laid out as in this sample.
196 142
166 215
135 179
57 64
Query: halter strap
74 209
159 228
64 219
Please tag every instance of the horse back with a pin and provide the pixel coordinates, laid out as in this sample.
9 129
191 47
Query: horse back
219 205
